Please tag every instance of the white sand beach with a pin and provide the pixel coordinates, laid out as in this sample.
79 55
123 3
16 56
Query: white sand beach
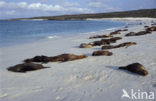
96 78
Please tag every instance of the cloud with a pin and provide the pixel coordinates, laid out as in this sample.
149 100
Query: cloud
41 7
95 4
71 4
32 6
44 7
12 12
102 6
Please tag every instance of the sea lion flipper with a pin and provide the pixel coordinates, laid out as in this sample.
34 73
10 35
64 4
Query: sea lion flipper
122 68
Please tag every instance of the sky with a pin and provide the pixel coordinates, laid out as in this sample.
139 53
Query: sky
33 8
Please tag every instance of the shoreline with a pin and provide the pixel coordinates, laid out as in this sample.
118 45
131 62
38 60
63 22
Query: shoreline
55 37
90 79
126 19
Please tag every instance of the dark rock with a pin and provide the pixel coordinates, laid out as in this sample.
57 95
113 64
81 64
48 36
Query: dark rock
26 67
136 68
101 52
59 58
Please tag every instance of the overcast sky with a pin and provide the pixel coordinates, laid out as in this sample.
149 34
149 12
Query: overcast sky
31 8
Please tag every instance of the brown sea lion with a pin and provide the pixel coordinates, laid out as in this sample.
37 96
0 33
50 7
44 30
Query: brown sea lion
100 36
146 26
116 32
147 31
66 57
59 58
108 47
41 58
101 52
85 45
100 42
111 40
106 41
130 34
136 68
153 28
26 67
126 44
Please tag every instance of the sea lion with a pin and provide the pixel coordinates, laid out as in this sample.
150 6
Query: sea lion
108 47
85 45
147 31
101 52
136 68
126 44
59 58
130 34
100 36
111 40
66 57
41 58
26 67
100 42
115 32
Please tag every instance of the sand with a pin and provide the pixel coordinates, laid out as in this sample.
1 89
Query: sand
91 79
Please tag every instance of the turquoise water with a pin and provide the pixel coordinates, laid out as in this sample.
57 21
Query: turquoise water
18 32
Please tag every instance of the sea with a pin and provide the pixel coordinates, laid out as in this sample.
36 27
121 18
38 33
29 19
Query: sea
27 31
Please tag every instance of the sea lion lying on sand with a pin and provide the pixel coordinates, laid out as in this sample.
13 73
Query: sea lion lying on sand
99 43
26 67
147 31
138 33
111 40
59 58
136 68
105 41
100 36
130 34
117 32
85 45
153 28
101 52
126 44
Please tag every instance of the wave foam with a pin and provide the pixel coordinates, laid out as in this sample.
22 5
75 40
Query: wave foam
51 37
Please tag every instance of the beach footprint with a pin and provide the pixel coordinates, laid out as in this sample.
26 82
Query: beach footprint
89 77
3 95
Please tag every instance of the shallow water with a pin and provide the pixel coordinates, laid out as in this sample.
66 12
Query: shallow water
18 32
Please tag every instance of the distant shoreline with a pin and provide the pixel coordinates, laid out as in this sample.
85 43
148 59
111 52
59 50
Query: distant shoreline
142 13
